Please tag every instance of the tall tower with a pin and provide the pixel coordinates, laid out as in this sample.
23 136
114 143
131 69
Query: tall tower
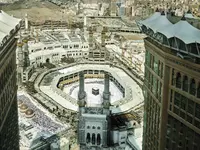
26 53
103 53
81 93
93 125
91 43
9 131
106 93
20 53
172 89
26 22
103 37
91 40
85 24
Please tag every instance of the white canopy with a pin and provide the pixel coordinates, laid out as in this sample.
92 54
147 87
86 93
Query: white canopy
7 24
183 31
2 35
153 17
161 22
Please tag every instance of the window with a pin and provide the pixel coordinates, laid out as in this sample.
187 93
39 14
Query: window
154 85
152 62
146 76
197 111
176 110
161 72
197 123
192 87
93 138
147 58
98 139
198 91
150 80
189 119
190 107
155 66
173 78
183 102
177 98
88 138
178 80
185 83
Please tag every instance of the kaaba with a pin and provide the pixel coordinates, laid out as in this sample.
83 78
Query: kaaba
95 91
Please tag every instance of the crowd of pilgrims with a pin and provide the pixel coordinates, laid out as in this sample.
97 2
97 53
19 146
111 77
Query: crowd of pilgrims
40 120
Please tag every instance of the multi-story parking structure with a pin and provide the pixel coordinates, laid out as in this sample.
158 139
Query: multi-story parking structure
171 85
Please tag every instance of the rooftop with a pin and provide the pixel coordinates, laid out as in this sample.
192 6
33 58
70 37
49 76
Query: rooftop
41 125
7 25
181 36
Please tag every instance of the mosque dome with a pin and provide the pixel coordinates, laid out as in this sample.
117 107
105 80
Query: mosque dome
23 108
29 113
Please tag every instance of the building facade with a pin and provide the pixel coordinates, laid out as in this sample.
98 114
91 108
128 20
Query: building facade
9 135
171 85
93 126
51 46
98 128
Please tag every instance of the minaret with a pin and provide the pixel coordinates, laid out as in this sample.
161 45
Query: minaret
26 53
85 24
20 67
103 52
103 37
81 93
26 22
91 44
37 37
106 93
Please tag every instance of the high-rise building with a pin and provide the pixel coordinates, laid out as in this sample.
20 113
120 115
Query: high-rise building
171 85
9 135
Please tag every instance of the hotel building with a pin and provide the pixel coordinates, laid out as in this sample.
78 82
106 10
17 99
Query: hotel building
171 85
9 135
